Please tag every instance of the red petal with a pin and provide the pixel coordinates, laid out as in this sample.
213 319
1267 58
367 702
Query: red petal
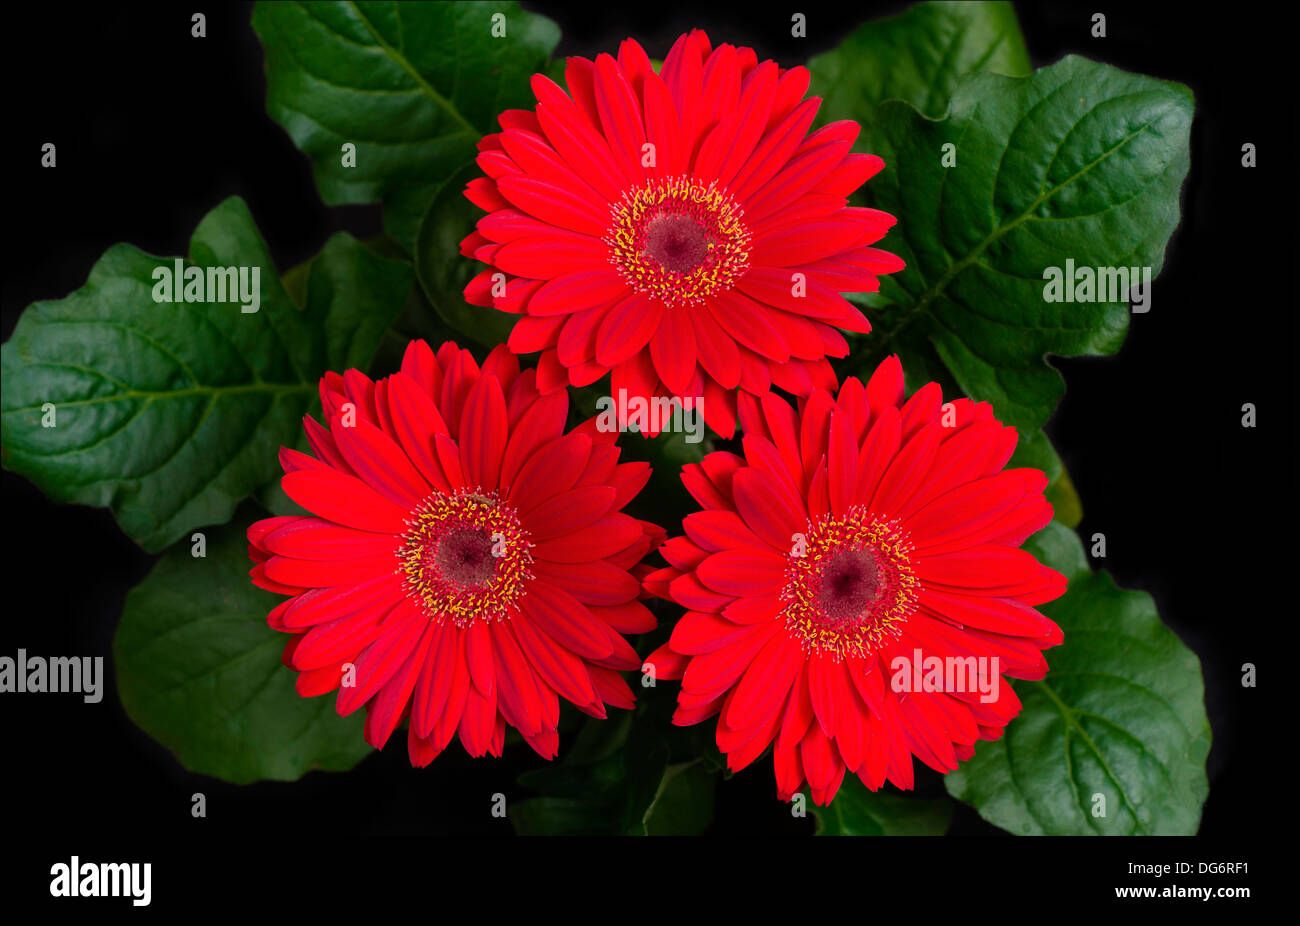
767 511
746 572
345 500
568 511
545 258
599 540
565 620
483 434
574 292
627 328
554 203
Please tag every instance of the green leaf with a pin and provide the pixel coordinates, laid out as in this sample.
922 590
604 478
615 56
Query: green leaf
683 803
1121 714
199 670
917 56
1080 161
413 86
617 780
443 272
607 797
169 414
354 296
558 816
855 811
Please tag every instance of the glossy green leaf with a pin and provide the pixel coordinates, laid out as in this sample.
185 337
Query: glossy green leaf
1114 740
602 787
443 272
617 779
413 86
199 670
917 56
855 811
1080 162
683 803
170 413
354 296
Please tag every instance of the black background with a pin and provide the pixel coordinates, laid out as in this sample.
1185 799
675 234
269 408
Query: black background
154 128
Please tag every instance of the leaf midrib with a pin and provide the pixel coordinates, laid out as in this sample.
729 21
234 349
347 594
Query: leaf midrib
670 772
1068 715
936 289
214 391
401 60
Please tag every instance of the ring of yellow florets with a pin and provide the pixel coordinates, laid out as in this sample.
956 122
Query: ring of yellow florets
678 240
850 584
465 556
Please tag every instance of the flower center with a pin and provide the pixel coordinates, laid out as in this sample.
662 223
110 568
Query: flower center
679 240
852 586
465 557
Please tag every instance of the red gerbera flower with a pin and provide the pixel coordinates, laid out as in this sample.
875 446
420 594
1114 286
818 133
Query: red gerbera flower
854 548
682 228
466 564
